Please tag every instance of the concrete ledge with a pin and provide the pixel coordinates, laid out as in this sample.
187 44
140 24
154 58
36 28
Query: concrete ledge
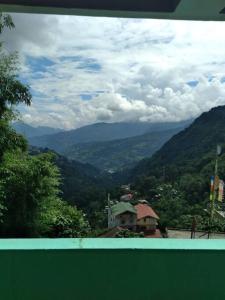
111 244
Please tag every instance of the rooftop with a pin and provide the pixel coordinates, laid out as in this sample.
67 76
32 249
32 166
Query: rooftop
144 210
123 207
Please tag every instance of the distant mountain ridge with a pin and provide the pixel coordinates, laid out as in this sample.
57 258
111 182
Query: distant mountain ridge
189 146
120 154
29 131
100 132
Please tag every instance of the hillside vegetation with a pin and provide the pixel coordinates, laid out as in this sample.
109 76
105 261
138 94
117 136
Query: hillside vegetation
120 154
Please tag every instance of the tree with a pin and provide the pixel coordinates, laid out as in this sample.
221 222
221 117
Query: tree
59 219
12 91
146 186
26 183
29 191
194 187
170 205
9 139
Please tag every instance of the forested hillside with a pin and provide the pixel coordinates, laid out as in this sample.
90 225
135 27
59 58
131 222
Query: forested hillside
82 185
189 146
120 154
176 180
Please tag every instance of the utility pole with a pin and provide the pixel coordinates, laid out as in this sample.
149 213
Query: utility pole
109 211
213 194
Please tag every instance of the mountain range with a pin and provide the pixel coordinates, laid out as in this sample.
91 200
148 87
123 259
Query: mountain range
100 132
110 146
119 154
29 131
189 149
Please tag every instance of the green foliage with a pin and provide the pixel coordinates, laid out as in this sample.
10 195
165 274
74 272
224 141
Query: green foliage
169 204
9 139
12 91
5 22
195 187
119 154
186 162
186 222
28 184
147 186
189 150
59 219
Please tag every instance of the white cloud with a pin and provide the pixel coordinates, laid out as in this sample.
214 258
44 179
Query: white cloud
141 68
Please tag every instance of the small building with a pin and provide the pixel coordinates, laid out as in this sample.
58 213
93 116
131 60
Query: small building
122 214
147 219
127 197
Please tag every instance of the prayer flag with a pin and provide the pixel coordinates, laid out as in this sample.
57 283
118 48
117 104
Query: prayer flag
221 191
211 187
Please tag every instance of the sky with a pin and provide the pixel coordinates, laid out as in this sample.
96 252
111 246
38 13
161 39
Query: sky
84 70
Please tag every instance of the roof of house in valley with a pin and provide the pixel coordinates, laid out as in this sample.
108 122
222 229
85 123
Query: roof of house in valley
144 210
123 207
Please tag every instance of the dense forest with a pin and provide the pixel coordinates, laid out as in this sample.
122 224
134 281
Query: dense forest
120 154
184 166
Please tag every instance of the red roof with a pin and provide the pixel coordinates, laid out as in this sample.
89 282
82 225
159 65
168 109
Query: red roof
144 210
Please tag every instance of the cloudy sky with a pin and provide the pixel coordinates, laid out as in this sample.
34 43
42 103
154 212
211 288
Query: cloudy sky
83 70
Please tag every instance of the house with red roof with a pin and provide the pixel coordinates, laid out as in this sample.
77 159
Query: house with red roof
139 217
147 219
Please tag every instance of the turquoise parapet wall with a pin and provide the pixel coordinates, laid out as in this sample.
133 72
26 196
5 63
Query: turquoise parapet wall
112 269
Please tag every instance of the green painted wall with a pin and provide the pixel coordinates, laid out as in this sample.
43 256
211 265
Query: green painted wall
105 269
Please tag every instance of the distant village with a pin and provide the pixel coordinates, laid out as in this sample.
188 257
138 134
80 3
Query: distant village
129 216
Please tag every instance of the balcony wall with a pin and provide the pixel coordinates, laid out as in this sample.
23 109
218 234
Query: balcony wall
105 269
